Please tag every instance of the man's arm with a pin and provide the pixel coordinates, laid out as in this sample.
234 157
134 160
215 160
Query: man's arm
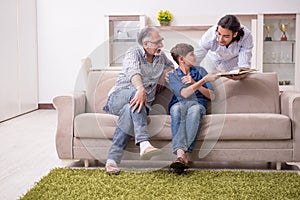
168 67
163 78
245 52
245 55
204 44
139 98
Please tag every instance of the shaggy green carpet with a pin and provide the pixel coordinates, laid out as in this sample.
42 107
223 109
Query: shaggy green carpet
64 183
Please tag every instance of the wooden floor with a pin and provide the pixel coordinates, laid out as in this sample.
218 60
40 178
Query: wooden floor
27 150
27 153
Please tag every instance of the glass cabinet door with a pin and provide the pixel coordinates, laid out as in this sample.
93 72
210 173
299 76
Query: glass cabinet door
279 47
123 31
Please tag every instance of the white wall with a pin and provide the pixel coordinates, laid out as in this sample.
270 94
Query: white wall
69 30
18 58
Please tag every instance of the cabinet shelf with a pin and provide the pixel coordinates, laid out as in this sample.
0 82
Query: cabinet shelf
184 28
287 87
280 16
279 41
124 40
279 63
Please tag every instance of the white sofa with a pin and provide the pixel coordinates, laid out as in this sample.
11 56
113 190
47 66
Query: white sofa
250 121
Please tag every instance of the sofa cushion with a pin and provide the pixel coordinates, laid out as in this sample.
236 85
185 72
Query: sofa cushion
98 125
100 81
252 126
257 93
98 85
214 127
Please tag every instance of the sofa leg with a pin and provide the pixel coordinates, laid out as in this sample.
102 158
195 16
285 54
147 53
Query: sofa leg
269 164
86 163
278 165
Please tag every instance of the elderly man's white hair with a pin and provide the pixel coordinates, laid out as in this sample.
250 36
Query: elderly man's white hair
145 34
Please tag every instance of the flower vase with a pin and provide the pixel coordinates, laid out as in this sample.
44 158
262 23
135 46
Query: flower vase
164 23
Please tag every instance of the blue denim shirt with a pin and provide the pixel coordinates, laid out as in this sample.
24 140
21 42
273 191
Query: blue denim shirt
197 73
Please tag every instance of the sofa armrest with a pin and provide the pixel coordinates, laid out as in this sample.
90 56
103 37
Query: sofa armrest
290 106
79 103
67 108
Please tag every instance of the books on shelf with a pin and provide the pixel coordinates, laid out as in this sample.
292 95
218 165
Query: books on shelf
237 72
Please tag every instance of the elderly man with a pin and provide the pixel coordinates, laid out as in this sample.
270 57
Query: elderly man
133 94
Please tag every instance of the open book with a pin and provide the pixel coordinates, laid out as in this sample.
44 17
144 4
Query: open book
236 72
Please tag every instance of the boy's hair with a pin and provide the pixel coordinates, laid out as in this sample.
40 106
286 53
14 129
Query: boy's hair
232 23
181 49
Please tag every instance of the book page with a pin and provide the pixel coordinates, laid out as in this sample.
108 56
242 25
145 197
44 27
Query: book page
236 72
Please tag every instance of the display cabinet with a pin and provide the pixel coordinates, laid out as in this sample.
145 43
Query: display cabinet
280 48
122 34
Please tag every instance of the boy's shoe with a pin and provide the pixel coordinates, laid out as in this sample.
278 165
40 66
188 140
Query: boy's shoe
176 171
179 163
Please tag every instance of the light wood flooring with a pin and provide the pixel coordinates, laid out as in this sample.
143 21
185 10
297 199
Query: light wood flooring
27 153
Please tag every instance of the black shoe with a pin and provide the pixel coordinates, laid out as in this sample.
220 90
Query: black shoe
179 164
178 171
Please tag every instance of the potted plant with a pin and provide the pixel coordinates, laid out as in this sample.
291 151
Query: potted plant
164 17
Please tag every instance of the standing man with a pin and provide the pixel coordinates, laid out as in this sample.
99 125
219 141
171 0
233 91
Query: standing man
228 46
133 94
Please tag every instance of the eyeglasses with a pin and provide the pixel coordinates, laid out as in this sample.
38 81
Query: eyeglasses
157 42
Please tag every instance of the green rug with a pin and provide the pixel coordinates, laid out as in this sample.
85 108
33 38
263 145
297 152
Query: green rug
64 183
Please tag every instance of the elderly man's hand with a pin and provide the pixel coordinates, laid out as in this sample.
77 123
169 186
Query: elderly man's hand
138 100
167 75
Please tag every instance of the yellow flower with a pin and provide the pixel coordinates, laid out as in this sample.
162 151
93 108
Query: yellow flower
164 16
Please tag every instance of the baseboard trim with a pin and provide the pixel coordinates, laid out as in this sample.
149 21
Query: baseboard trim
45 106
18 115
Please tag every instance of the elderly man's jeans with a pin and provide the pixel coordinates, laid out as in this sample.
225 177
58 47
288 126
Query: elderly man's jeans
186 122
129 123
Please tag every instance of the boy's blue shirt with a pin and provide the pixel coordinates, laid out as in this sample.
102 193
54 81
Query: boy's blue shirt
197 73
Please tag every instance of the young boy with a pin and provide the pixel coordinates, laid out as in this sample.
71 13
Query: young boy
191 88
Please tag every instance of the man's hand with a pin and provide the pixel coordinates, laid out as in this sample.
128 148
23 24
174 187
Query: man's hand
239 77
167 76
138 100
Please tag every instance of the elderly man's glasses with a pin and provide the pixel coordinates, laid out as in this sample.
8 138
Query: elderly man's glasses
157 42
